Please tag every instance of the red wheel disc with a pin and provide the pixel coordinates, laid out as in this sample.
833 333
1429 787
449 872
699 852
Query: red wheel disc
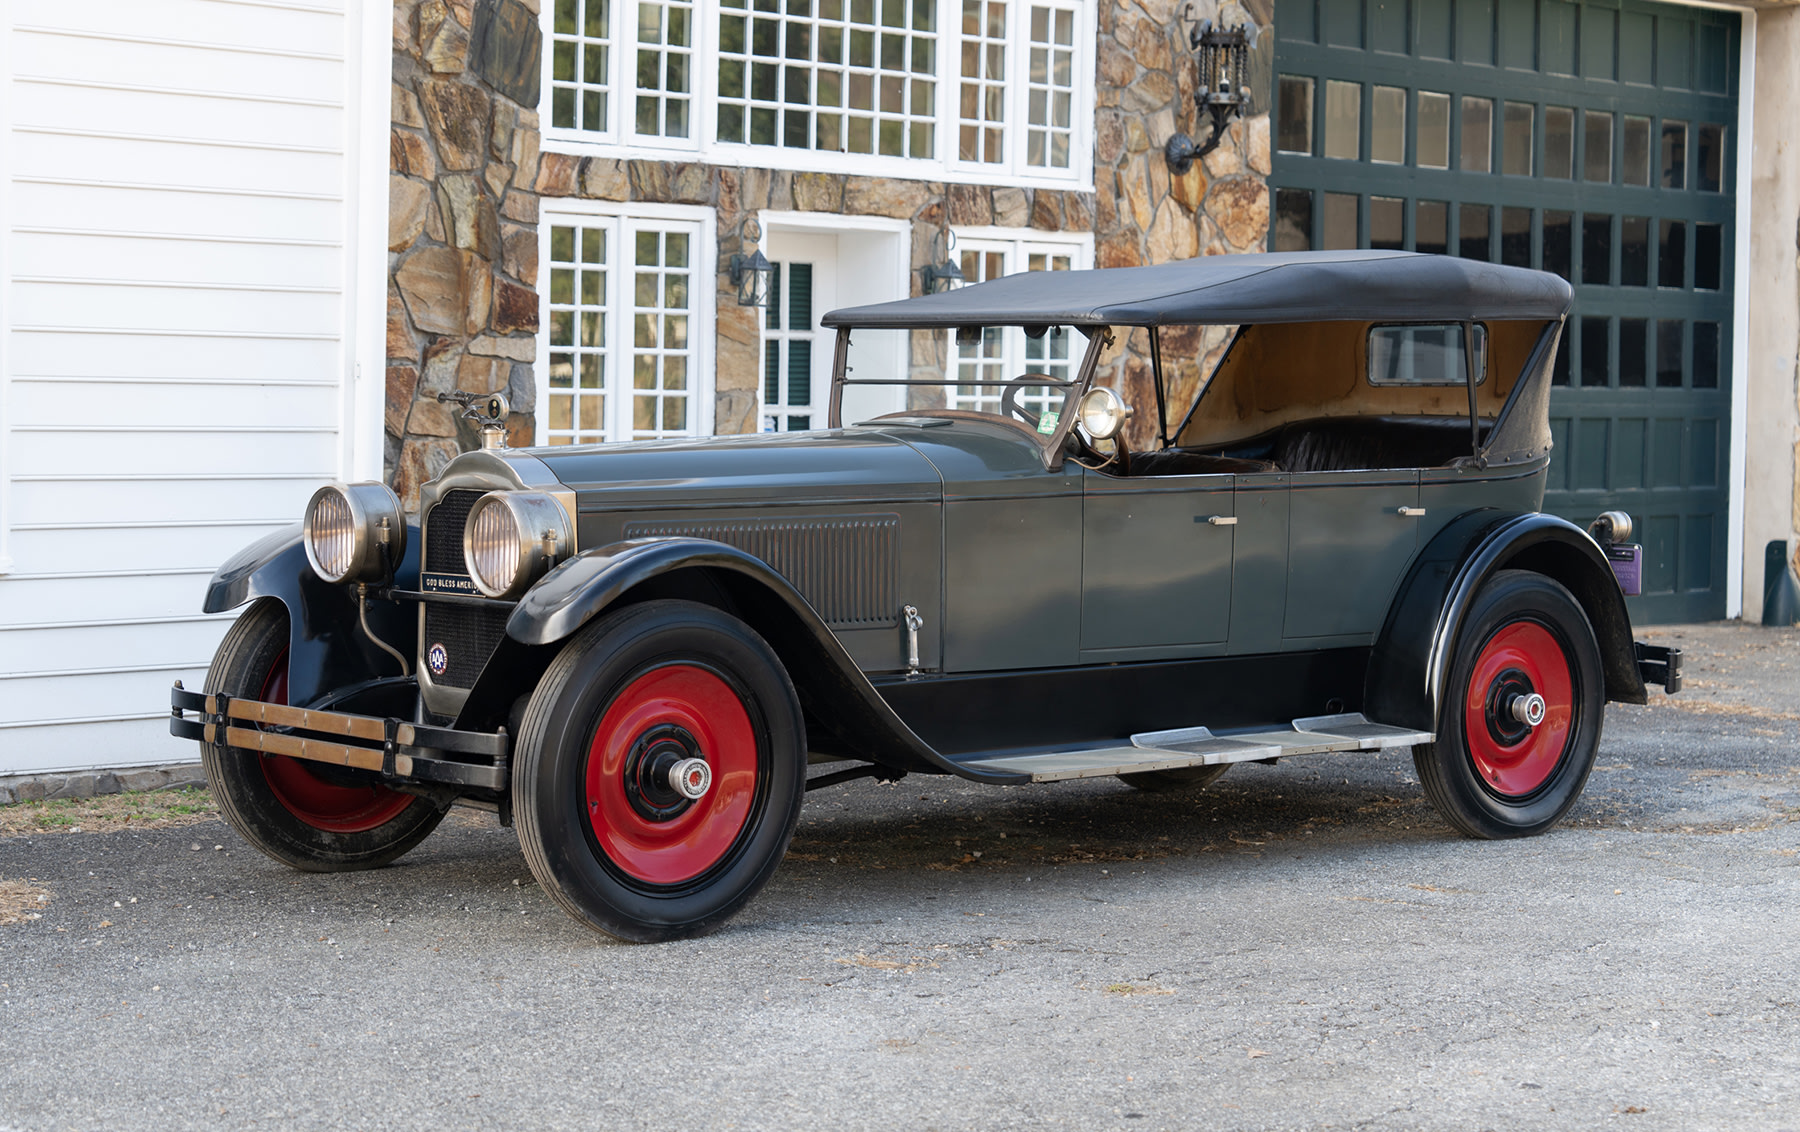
1527 650
321 804
695 839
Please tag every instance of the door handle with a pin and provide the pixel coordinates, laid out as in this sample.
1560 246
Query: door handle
1222 520
1410 512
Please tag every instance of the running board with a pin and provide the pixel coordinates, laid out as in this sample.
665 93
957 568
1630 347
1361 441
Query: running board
1198 746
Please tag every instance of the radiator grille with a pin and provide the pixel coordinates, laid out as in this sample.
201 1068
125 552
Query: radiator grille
848 568
469 634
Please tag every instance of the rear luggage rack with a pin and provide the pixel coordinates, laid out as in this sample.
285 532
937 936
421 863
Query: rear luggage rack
397 749
1659 664
1199 746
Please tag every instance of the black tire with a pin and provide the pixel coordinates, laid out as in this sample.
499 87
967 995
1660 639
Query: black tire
1491 775
606 837
317 818
1175 781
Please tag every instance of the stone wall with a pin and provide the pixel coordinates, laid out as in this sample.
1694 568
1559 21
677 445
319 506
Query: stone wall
462 225
468 178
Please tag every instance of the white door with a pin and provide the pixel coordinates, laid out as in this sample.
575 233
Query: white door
796 362
179 182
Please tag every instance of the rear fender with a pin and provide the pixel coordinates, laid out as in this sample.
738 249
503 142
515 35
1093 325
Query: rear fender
327 650
1411 661
832 689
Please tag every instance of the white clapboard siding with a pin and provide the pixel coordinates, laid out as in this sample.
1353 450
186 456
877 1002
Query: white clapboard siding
178 333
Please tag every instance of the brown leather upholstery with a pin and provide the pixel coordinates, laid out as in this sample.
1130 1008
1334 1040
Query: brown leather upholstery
1183 462
1326 445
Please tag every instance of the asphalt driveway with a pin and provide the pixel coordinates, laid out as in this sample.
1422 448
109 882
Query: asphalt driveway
1303 946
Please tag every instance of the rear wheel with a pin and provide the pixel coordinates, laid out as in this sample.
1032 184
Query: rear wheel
314 817
1520 719
660 767
1175 781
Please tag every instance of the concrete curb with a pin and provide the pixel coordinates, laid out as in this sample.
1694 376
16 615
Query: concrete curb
88 784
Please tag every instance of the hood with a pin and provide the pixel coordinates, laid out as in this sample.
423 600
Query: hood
840 465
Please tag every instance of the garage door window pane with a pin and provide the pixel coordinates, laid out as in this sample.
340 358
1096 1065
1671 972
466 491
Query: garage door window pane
1295 131
1596 248
1340 221
1516 143
1515 237
1387 131
1596 161
1635 168
1477 135
1387 223
1633 348
1668 353
1293 220
1671 256
1434 131
1595 355
1709 168
1634 251
1431 227
1559 242
1472 240
1709 254
1706 355
1343 120
1559 143
1674 155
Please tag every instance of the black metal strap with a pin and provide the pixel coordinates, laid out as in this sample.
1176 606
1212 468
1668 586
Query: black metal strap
1659 664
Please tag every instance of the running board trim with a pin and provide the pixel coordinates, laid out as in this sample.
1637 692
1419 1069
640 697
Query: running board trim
1199 746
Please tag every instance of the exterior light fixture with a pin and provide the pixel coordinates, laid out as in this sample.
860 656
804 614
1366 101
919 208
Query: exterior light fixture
946 275
1222 92
750 274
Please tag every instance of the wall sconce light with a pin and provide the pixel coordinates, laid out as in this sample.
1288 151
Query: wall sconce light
945 275
1223 55
750 273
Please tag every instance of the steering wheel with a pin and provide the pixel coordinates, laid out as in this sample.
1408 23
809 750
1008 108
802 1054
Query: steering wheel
1009 399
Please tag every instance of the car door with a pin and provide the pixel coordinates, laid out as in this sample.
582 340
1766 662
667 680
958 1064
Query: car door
1351 535
1156 565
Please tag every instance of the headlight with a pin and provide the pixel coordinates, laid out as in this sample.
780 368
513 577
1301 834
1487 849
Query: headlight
355 532
1103 413
512 539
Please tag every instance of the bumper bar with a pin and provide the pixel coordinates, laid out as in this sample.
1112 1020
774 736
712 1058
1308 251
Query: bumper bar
1660 664
396 749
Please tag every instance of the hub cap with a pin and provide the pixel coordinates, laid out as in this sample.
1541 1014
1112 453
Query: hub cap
1520 709
321 804
671 774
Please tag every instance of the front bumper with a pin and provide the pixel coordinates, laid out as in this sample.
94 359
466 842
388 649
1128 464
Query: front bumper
1659 664
399 751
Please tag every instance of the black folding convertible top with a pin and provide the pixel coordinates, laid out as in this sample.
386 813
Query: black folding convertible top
1276 287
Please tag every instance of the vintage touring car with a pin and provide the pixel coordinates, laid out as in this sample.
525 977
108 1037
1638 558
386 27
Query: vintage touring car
634 651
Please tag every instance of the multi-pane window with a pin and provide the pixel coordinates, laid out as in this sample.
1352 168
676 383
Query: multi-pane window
791 338
843 76
999 354
618 353
996 87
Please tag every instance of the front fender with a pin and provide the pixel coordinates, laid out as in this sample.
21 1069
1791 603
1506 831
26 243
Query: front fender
1411 660
831 688
326 649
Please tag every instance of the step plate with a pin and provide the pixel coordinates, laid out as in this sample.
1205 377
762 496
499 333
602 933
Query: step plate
1199 746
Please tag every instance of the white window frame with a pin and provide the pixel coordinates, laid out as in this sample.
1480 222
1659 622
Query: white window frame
1015 244
1015 127
619 140
624 221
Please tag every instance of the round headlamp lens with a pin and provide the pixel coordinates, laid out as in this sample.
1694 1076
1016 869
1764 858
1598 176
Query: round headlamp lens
331 533
492 547
1103 413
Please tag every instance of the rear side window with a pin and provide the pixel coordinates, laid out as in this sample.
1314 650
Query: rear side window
1424 355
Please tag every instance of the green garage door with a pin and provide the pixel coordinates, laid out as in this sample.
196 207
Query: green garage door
1589 139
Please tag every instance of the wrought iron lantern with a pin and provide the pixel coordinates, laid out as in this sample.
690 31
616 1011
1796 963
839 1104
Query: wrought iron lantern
946 274
1223 90
750 273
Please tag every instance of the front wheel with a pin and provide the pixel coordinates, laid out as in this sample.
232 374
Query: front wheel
1519 723
659 771
313 816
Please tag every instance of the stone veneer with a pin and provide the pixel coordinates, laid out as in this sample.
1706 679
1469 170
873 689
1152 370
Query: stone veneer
468 177
462 225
